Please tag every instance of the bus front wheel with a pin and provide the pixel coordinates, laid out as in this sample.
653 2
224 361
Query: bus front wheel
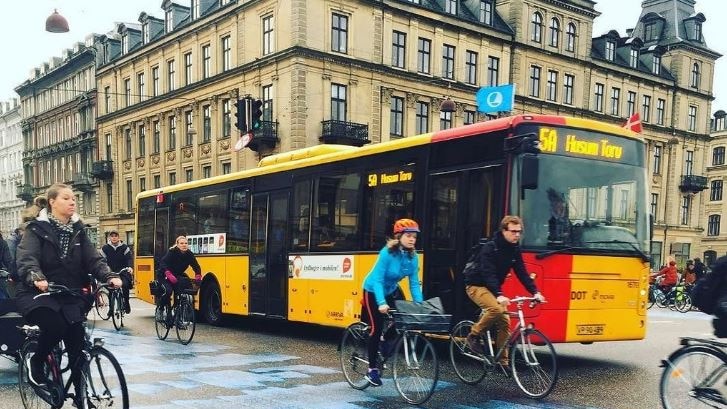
212 304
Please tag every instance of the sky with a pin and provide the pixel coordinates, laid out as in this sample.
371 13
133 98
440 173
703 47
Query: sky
27 45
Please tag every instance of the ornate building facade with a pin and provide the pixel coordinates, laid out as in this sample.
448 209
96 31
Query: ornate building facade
11 170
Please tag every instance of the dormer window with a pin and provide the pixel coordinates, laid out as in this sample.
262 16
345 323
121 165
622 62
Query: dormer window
698 31
554 32
124 43
450 6
169 21
650 32
695 75
145 33
486 12
656 65
610 50
570 37
633 58
195 9
537 27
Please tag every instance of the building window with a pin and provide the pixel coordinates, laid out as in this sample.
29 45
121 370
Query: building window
610 50
656 65
493 71
695 75
469 117
598 103
157 181
398 49
570 38
206 61
692 118
551 92
267 98
141 86
206 172
471 67
715 190
654 204
650 32
226 168
107 99
188 175
172 133
660 109
630 103
195 9
686 204
689 163
187 128
422 118
535 81
713 225
142 140
142 184
338 102
424 55
127 143
448 61
187 68
339 33
171 75
646 108
226 123
172 178
127 92
445 120
155 81
206 123
568 80
615 101
554 32
226 53
536 26
718 156
450 7
145 37
129 196
486 12
397 117
109 198
156 137
657 159
698 31
633 58
268 35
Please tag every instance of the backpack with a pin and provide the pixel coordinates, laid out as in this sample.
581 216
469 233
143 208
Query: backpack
705 292
484 246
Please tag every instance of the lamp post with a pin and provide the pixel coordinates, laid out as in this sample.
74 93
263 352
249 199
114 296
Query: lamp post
55 23
670 143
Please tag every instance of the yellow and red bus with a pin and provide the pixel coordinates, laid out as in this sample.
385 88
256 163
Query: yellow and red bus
294 238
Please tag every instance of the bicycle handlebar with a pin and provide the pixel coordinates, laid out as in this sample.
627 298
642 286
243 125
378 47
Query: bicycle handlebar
54 289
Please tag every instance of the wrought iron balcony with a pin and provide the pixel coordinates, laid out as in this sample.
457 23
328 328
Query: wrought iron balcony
345 133
692 183
103 169
82 181
265 137
24 192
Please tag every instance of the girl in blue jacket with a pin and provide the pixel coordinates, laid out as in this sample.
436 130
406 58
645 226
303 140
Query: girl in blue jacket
397 260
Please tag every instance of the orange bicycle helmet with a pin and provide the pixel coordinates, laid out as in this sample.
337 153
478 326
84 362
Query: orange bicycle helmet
406 226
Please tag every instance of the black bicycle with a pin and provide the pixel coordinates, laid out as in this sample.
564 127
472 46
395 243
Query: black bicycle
695 375
117 304
180 316
102 383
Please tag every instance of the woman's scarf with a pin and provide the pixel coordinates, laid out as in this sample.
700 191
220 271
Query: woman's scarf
64 230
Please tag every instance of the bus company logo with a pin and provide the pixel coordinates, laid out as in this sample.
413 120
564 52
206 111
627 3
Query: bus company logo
603 297
346 264
578 295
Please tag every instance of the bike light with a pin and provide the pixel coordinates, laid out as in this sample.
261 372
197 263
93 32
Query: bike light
98 342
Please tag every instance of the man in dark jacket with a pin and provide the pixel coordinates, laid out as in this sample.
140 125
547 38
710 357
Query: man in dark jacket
118 256
699 268
7 265
483 284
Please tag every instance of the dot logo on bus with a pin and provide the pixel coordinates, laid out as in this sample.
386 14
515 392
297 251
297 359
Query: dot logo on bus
578 295
346 264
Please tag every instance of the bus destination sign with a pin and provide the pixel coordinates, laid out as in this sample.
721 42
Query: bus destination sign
389 177
582 143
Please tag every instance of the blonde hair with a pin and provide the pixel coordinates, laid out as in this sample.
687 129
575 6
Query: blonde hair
508 220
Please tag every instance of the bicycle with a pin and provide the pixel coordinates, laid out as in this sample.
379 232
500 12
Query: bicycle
180 316
694 375
533 361
101 384
677 298
414 360
117 304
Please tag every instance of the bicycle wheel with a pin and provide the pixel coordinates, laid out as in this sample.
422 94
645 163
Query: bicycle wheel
117 315
652 298
416 369
694 377
105 383
660 299
160 321
27 394
354 355
683 303
184 320
103 304
467 365
534 363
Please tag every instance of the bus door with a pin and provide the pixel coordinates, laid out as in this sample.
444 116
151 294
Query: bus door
161 236
269 254
463 208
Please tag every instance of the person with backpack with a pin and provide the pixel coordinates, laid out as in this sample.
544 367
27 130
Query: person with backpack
699 268
483 282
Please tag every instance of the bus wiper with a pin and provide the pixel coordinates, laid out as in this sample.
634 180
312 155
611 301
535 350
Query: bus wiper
541 256
643 255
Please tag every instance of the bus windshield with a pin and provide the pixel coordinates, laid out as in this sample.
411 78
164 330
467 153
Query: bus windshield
588 204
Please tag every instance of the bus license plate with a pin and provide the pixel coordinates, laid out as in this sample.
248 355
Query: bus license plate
596 329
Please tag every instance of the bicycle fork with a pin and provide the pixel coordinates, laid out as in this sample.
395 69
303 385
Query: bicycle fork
412 361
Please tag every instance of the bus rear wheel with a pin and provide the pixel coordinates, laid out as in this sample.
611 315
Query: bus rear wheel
212 304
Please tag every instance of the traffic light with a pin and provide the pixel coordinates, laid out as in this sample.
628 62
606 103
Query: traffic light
241 123
256 120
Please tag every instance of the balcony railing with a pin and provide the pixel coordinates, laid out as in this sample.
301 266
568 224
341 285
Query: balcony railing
265 137
82 181
692 183
24 192
103 169
345 133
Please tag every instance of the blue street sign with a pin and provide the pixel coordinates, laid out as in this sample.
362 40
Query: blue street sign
496 99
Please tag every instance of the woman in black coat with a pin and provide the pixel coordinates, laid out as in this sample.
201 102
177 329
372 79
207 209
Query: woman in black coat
173 266
55 249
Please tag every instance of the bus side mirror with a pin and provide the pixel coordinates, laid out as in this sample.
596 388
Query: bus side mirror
529 172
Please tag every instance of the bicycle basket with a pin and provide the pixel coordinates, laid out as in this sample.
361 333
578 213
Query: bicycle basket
156 288
422 322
